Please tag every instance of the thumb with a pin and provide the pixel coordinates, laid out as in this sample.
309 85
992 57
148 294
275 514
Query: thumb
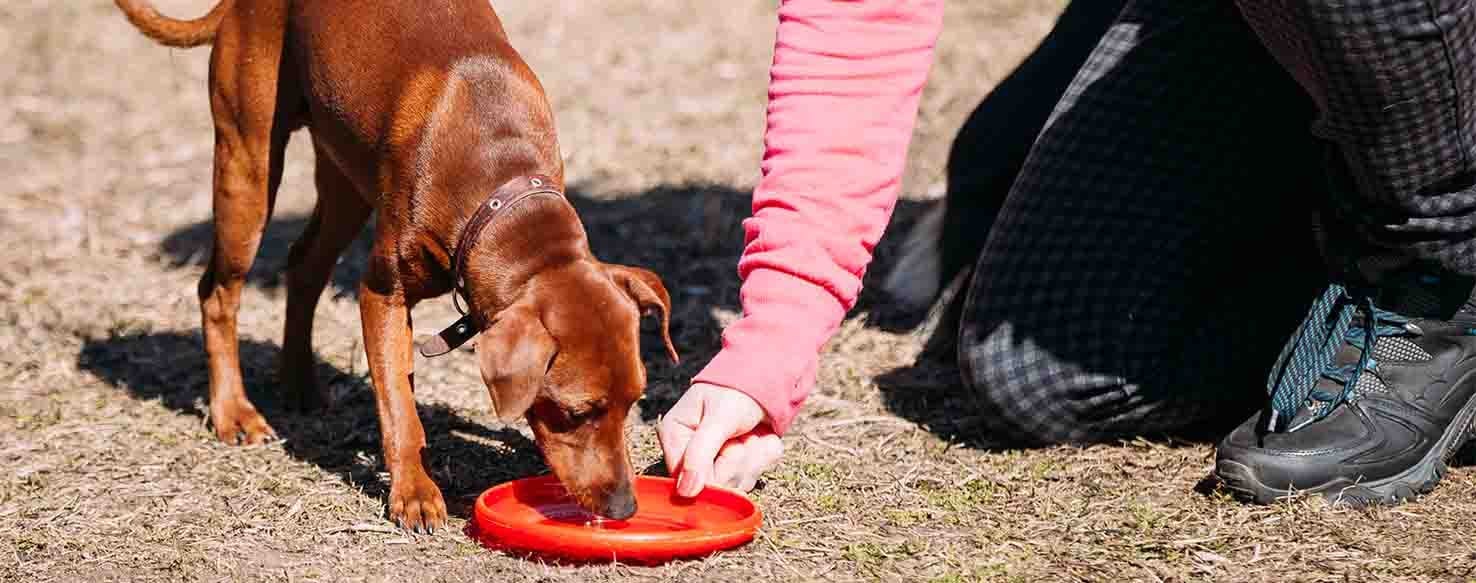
696 468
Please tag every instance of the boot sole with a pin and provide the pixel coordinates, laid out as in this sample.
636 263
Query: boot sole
1418 480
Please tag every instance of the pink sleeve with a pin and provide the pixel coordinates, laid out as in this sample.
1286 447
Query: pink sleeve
843 97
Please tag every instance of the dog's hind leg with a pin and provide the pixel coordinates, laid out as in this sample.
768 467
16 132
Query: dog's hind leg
250 140
337 218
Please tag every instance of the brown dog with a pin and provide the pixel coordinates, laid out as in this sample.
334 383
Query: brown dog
420 111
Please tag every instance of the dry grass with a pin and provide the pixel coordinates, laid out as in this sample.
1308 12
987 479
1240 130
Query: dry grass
105 153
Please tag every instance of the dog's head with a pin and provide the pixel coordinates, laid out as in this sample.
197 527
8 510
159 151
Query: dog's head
566 356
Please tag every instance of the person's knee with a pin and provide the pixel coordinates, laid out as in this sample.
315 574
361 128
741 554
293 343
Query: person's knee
1031 396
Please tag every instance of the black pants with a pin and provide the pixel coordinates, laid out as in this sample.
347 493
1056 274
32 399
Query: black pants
1201 177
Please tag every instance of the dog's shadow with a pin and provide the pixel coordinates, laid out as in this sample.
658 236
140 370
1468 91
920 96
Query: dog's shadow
465 455
691 235
190 246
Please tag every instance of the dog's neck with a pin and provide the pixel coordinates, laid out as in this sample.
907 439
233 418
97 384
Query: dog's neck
537 235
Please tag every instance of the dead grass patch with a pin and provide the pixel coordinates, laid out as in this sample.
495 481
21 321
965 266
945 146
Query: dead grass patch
105 150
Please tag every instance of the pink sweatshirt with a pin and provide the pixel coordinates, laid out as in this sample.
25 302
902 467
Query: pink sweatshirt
843 97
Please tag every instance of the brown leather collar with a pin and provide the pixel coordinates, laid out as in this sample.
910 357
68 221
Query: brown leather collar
507 195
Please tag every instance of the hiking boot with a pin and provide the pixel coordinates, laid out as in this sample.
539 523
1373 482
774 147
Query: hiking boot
1370 398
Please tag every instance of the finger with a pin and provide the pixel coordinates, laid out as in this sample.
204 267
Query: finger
702 450
731 462
764 452
675 429
673 437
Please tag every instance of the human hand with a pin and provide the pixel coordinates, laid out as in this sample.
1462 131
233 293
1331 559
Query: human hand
716 435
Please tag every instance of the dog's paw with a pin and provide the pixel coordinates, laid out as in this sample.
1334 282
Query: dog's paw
239 423
416 505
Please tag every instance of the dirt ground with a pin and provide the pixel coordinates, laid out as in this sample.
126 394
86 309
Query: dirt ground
111 473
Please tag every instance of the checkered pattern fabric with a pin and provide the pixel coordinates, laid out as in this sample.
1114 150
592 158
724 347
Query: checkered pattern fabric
1156 250
1395 84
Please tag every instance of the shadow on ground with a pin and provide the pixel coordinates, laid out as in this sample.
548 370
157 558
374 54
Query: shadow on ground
465 455
691 235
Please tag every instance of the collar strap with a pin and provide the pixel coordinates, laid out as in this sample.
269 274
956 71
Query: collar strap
505 197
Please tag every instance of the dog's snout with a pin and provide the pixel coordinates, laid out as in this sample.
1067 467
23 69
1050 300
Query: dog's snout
621 504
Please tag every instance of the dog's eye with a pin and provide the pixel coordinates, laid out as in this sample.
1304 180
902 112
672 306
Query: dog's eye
582 414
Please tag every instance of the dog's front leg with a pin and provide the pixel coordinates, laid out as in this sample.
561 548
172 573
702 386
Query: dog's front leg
415 501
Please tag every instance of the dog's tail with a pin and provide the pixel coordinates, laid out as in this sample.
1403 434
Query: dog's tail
172 31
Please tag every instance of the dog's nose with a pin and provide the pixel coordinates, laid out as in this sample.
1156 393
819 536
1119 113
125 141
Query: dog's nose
621 504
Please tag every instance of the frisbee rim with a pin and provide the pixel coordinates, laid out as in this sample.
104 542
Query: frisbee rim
568 542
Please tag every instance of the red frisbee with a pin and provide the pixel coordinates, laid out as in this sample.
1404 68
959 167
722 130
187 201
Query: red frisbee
537 516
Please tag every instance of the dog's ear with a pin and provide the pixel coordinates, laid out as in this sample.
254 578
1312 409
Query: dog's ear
646 289
515 353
